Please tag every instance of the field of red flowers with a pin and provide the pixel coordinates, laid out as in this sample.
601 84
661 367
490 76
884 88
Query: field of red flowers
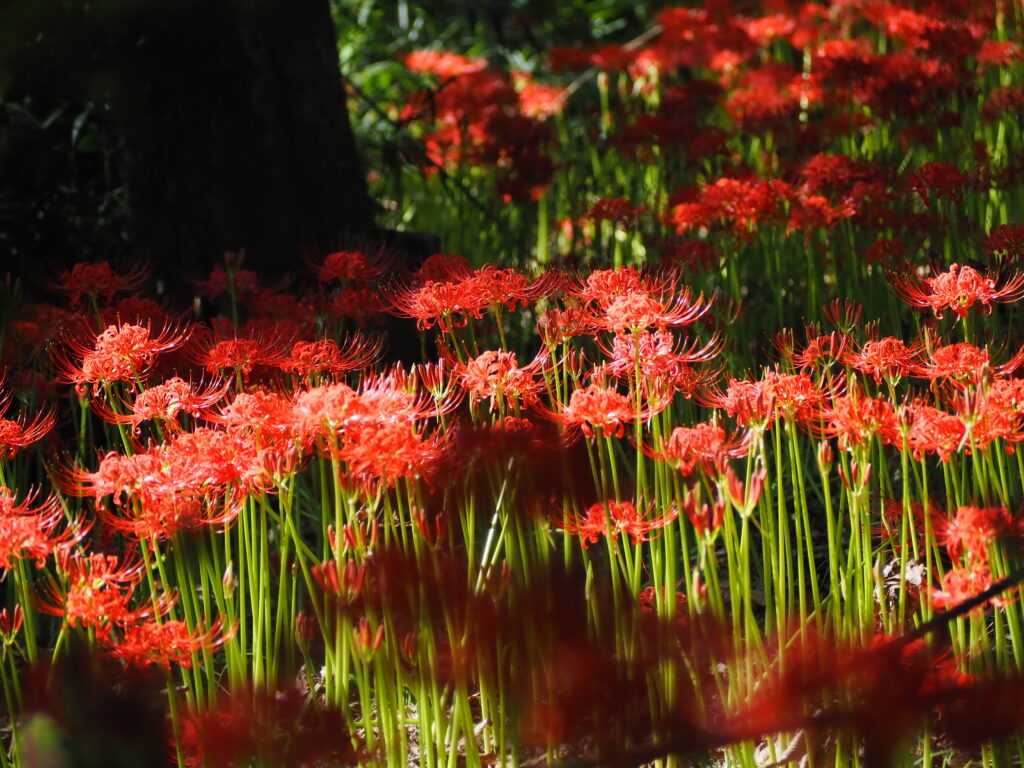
708 455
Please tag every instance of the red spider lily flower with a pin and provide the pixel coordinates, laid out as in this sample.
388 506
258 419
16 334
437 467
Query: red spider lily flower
964 364
468 295
98 280
740 203
444 64
958 290
201 462
972 529
557 326
18 434
345 582
268 727
164 643
1007 242
496 376
346 266
961 584
752 403
267 416
604 286
32 533
992 412
238 356
888 358
617 210
10 624
942 178
120 353
538 100
163 403
327 357
222 281
611 517
161 512
704 445
99 593
637 311
795 396
596 407
648 600
744 497
658 356
933 431
706 518
388 451
854 419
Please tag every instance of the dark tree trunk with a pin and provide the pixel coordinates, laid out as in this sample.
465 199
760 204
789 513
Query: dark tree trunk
230 115
236 134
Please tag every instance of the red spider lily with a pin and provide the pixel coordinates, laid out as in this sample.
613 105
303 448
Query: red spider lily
888 358
705 518
538 100
617 210
752 403
347 266
163 403
604 286
557 326
597 407
964 364
344 582
32 533
164 643
992 412
203 463
98 280
444 64
972 529
612 517
638 311
496 376
705 445
120 353
744 496
238 356
326 357
265 416
166 508
270 728
389 451
99 593
735 202
961 584
933 431
1006 241
942 178
10 624
854 419
958 289
18 434
659 358
795 396
222 281
455 300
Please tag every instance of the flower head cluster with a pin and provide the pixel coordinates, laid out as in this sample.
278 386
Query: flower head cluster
958 290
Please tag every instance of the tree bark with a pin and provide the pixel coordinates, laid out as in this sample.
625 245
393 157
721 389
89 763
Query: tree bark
236 134
230 114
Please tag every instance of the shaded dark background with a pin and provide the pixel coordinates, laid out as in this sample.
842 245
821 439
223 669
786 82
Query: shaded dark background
173 132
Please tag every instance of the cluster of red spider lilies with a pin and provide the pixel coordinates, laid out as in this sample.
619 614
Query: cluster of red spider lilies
601 515
409 548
